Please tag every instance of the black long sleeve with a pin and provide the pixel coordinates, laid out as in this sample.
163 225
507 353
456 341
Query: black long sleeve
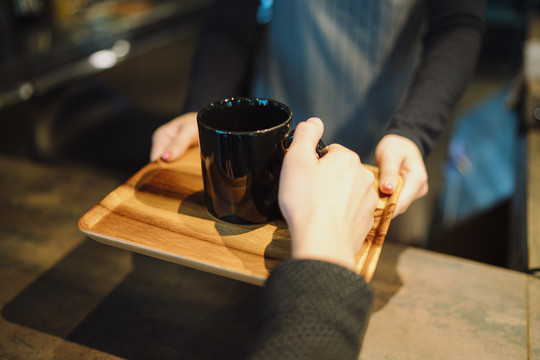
229 42
451 47
311 310
225 53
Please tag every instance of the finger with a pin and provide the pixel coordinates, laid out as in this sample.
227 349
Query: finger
339 154
405 199
335 148
389 169
154 153
158 147
160 141
186 138
307 135
414 187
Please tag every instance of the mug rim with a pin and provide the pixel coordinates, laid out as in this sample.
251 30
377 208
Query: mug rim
214 104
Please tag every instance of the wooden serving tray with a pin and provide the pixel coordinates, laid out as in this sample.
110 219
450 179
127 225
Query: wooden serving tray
160 212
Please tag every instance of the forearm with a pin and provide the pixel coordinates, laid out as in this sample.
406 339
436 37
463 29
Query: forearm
312 309
451 48
223 57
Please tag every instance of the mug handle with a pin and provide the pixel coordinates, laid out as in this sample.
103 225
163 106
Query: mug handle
320 148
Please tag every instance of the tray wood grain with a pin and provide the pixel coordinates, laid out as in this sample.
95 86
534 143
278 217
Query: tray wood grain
160 212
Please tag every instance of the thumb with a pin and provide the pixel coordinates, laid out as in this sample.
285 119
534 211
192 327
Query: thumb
389 167
307 135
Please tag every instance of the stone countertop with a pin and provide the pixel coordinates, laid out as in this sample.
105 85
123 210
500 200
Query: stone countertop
66 296
430 305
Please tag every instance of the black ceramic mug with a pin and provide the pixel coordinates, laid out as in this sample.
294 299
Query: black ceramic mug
242 143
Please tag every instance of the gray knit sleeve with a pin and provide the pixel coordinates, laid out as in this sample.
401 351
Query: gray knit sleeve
311 310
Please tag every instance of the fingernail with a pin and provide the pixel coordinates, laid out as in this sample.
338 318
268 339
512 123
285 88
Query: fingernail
388 186
166 155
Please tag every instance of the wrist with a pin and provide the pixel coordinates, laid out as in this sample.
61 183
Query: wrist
331 258
324 247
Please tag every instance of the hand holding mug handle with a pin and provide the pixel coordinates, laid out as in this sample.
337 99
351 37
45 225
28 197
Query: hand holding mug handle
328 202
320 148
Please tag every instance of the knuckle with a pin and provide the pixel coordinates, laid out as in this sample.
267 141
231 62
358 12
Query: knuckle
369 176
350 156
424 190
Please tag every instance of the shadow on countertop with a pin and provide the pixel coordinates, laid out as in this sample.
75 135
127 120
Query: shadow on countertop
137 307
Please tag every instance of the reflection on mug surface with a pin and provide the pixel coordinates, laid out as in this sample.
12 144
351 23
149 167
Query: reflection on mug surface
242 149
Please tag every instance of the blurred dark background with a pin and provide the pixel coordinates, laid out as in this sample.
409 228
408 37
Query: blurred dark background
76 74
